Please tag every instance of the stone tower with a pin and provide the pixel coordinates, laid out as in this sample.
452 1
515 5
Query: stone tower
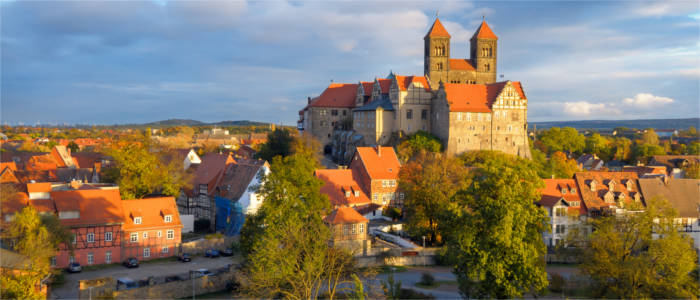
484 45
437 53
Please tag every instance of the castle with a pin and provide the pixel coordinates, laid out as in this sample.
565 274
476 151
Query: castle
458 100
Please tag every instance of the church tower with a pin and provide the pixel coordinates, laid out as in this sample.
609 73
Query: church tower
437 54
484 45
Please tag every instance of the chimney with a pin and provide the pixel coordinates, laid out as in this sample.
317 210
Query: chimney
75 184
379 151
308 100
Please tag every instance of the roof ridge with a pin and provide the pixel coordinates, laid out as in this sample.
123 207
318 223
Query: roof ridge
437 30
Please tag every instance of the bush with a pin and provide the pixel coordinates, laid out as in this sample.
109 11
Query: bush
427 279
392 212
557 283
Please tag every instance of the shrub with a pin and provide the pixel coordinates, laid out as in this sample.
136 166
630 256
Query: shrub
427 279
556 284
392 212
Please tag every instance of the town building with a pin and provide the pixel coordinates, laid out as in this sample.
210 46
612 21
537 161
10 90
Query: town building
562 201
151 228
458 100
377 170
608 192
342 186
348 229
674 163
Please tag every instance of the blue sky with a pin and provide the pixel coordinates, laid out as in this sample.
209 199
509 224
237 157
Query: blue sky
139 61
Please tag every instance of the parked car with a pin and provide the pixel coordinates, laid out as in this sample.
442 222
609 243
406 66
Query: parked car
126 283
201 272
212 253
74 267
131 262
184 257
227 252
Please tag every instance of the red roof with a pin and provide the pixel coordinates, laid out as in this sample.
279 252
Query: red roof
210 170
11 165
39 187
437 30
552 193
367 86
337 95
344 215
405 81
476 97
380 162
96 206
152 212
461 64
338 183
384 85
484 32
595 199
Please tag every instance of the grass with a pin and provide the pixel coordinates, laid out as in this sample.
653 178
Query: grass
437 284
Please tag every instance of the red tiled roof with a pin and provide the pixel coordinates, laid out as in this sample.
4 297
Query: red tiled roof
96 206
152 212
11 165
552 193
595 200
405 81
41 163
385 166
337 183
344 215
7 175
210 170
384 85
484 32
476 97
461 64
39 187
367 86
336 95
437 30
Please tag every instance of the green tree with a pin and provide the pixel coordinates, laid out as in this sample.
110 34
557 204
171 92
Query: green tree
73 147
560 166
562 139
641 255
417 142
692 171
495 237
643 152
694 149
598 145
650 137
279 142
429 182
286 242
621 148
139 171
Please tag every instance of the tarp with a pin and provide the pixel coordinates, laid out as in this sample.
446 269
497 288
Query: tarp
229 216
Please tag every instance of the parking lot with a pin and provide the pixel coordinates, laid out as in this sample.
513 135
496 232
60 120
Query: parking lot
69 290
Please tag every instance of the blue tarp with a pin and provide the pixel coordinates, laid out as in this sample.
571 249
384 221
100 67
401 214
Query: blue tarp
229 216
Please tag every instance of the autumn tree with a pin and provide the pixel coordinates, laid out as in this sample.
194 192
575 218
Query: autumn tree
429 182
641 255
73 146
495 237
560 166
279 143
561 139
286 242
650 137
598 145
621 148
643 152
421 141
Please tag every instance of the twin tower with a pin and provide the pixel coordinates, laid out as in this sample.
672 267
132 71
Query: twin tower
480 68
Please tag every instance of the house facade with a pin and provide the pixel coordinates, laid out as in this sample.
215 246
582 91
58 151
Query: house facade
151 229
377 169
562 201
348 229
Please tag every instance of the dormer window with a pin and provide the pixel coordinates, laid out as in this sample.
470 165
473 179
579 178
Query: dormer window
573 190
563 191
611 185
593 185
609 197
629 185
137 220
357 193
347 194
168 218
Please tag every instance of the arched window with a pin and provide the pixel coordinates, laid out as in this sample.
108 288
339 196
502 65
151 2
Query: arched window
487 67
439 66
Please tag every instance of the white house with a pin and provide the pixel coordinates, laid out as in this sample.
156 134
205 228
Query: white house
562 200
191 159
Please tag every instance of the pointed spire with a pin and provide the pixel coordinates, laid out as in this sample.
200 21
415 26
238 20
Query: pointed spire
437 30
484 32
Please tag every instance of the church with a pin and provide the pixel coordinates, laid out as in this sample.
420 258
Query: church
456 99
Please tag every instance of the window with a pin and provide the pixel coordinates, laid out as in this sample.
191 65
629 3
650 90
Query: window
171 234
134 237
375 197
469 116
345 112
334 112
409 114
560 229
424 114
354 228
137 220
168 218
347 193
159 234
357 193
74 239
203 187
53 261
145 235
487 67
108 257
401 196
362 227
322 112
108 236
165 249
505 115
510 127
90 258
439 66
346 229
146 252
90 237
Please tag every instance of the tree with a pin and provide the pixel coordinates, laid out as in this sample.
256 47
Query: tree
429 182
650 137
641 255
286 242
692 170
694 149
139 171
562 139
417 142
279 142
621 148
598 145
495 238
560 166
642 152
73 146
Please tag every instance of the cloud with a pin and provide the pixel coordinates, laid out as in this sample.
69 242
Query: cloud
646 101
666 8
585 108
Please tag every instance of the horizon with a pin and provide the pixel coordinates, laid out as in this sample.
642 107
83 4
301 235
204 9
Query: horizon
137 62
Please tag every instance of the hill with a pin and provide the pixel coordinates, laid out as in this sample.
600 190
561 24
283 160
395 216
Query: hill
176 122
239 123
611 124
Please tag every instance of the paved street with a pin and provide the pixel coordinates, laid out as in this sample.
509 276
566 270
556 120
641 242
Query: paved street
69 290
412 275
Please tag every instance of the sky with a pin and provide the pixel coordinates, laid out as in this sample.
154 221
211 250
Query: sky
116 62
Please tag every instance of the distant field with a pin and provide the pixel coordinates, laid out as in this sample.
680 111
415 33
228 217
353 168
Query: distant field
611 124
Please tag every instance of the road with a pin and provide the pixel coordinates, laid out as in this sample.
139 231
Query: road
412 275
69 290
